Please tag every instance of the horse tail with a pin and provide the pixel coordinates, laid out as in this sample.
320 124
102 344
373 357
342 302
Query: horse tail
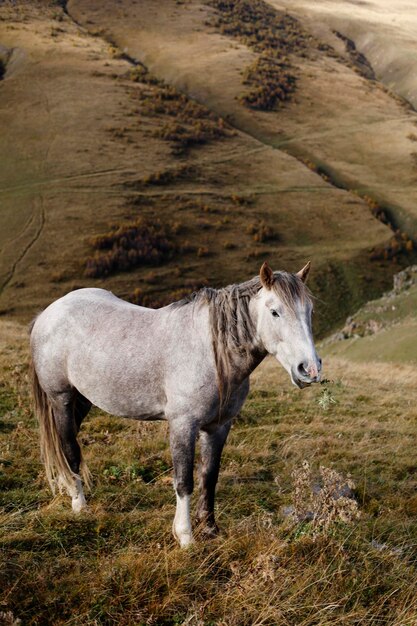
57 469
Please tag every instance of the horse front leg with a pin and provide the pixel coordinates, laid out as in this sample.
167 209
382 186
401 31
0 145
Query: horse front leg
182 442
212 444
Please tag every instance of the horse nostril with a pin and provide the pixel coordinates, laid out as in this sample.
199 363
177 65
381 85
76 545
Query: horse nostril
320 362
302 370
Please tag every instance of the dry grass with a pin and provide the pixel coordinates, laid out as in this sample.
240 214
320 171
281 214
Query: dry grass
119 564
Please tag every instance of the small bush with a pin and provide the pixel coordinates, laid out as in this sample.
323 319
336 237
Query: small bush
260 232
165 177
271 82
400 244
203 251
326 503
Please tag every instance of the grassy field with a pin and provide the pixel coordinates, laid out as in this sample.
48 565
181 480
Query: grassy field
119 564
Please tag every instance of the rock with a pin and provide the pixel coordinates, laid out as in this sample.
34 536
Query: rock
405 279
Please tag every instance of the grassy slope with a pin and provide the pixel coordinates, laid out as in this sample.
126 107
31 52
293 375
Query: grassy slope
75 164
386 331
119 564
339 120
384 32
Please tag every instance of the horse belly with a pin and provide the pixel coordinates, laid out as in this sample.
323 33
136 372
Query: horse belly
121 391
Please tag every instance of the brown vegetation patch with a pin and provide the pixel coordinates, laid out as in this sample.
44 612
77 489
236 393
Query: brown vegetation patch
400 244
259 26
129 245
323 503
166 177
261 232
359 60
271 82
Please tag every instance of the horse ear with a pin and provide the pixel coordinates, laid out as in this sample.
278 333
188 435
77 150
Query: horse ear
303 274
266 275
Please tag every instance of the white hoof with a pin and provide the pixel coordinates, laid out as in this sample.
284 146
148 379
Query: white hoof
181 527
183 536
79 504
186 540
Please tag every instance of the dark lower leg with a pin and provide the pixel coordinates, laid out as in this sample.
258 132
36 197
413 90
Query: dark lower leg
64 417
182 440
211 450
63 410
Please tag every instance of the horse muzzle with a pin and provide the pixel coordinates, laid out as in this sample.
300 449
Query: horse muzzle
306 374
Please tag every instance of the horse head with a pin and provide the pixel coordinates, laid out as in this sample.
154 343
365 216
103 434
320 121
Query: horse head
284 310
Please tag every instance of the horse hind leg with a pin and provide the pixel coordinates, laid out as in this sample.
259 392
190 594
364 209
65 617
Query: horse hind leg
81 408
69 409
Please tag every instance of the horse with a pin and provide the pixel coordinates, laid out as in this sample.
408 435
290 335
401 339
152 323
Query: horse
188 363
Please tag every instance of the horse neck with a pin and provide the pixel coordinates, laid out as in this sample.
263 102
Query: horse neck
245 358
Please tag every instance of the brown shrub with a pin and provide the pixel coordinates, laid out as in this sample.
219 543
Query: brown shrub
271 82
326 503
260 232
400 244
166 177
203 251
260 26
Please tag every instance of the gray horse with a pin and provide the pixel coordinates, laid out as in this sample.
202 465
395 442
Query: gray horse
188 363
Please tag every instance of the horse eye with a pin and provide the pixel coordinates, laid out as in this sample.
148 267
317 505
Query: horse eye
275 313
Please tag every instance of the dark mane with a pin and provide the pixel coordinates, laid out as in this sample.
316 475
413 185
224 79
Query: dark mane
232 328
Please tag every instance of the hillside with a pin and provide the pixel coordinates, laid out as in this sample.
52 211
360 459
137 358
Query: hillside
341 120
384 330
94 145
381 30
